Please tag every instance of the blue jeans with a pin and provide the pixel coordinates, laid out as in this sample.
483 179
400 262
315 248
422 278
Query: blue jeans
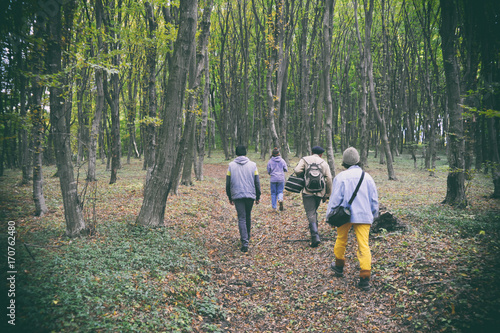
276 192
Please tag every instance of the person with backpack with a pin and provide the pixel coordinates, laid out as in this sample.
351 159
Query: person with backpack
243 189
276 168
363 206
318 186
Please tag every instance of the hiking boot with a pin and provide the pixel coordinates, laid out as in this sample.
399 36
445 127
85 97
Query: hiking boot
281 205
364 283
338 270
244 249
315 240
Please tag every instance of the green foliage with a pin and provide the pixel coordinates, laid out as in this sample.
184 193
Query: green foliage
147 120
128 279
449 220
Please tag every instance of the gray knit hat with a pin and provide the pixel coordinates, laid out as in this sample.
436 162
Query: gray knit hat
350 156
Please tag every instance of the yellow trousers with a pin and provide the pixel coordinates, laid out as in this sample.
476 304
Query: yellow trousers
364 254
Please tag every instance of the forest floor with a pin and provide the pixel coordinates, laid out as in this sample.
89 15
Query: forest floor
441 274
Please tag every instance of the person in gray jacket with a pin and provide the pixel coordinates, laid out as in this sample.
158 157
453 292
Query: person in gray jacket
243 189
312 200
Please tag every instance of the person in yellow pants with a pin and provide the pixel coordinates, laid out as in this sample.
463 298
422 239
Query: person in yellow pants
364 208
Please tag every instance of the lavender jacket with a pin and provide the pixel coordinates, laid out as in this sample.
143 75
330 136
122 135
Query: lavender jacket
276 167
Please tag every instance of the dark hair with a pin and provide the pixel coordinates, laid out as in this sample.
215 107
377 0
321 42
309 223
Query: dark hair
241 151
275 152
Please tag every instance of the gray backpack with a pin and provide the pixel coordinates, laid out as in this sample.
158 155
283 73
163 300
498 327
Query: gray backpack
314 178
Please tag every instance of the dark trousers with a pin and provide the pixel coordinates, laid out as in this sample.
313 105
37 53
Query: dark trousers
311 204
244 210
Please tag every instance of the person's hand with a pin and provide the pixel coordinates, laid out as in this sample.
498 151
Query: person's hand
325 199
257 202
231 202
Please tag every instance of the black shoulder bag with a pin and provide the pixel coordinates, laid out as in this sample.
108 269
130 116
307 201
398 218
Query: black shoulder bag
342 215
295 183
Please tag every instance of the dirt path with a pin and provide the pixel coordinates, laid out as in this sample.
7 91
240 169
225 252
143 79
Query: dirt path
282 284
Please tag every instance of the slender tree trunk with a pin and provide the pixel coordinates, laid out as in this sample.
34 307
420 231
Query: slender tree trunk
305 137
202 128
327 41
116 143
363 148
83 116
380 119
37 130
131 111
276 61
99 103
37 134
202 58
222 119
25 157
150 102
455 193
157 188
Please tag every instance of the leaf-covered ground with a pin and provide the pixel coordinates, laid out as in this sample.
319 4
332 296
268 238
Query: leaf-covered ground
440 275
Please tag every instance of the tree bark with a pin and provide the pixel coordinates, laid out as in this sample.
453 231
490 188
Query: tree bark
202 127
363 63
305 129
326 55
455 192
99 102
150 102
184 161
380 119
37 128
75 225
158 186
114 16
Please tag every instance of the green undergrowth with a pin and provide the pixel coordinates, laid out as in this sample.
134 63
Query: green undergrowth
124 279
450 220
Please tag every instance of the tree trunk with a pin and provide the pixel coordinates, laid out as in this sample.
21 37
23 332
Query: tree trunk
495 158
455 193
380 119
222 119
363 148
202 59
150 102
305 132
184 161
157 188
37 130
37 134
59 119
114 15
99 102
131 111
25 157
202 128
83 116
186 178
326 55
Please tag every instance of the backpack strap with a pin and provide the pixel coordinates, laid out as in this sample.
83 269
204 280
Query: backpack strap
357 188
